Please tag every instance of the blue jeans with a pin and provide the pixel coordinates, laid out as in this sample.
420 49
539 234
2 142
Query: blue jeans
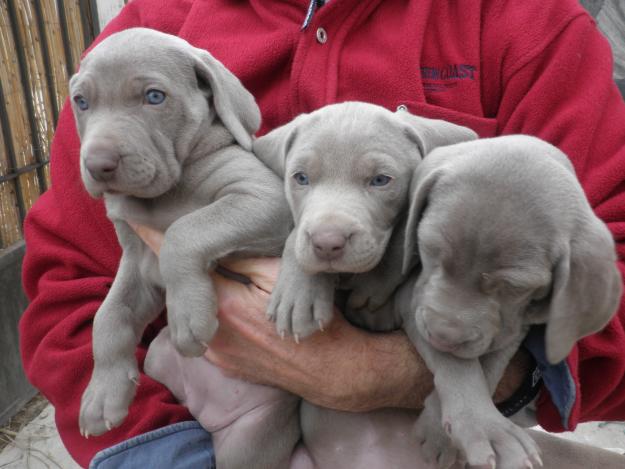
183 445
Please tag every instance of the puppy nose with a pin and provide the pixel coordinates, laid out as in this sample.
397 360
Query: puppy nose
101 164
328 244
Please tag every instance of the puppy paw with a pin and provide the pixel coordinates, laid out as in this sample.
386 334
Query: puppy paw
437 448
191 330
383 319
367 297
370 290
191 315
302 307
104 404
488 439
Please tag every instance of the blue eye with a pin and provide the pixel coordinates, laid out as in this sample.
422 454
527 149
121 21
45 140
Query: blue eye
81 102
153 96
301 178
380 180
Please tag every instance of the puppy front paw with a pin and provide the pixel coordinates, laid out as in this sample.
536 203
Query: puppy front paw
490 440
368 295
437 448
371 290
104 404
303 305
383 319
192 318
191 331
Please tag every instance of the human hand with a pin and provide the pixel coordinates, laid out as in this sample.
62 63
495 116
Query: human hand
343 368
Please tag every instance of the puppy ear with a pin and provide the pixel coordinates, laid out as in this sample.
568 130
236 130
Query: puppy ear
586 290
235 106
431 133
424 177
273 147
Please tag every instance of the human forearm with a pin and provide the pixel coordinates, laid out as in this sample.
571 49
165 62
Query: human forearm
396 376
393 375
342 368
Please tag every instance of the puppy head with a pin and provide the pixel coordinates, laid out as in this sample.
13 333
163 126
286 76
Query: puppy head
143 101
505 242
347 169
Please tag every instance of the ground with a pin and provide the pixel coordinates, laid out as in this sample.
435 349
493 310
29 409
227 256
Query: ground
30 440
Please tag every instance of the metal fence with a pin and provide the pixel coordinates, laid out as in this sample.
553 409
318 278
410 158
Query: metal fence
40 45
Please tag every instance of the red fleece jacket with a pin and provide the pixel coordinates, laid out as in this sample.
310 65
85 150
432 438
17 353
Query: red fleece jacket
497 66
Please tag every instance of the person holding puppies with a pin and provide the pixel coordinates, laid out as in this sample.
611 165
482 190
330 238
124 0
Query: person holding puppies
497 67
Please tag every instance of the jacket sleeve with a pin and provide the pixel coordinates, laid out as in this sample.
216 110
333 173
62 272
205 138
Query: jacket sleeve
559 87
71 258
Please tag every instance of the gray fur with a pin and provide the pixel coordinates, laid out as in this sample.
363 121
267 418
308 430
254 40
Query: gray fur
341 148
506 238
182 167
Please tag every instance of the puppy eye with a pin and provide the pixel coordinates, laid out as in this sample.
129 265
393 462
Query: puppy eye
380 180
301 178
153 96
81 102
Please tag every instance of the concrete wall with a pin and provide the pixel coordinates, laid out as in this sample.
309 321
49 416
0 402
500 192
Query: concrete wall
15 390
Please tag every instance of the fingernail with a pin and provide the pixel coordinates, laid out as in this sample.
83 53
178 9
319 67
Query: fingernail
537 460
321 326
108 424
281 335
492 461
528 464
296 339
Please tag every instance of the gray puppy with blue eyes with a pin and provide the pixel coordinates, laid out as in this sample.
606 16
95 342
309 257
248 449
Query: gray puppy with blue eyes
166 133
347 170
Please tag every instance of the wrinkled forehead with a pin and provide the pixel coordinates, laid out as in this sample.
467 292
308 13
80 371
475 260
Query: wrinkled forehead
479 230
122 57
351 138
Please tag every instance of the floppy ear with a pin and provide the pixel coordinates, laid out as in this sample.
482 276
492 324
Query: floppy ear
586 290
273 147
424 177
235 106
431 133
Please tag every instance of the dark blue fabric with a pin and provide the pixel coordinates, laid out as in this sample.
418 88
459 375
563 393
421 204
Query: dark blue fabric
183 445
557 378
621 86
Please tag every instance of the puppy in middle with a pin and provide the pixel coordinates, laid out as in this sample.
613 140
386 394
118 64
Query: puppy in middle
347 170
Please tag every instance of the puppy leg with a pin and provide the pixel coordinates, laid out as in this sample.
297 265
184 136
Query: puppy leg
131 304
436 445
234 223
470 417
494 363
300 303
